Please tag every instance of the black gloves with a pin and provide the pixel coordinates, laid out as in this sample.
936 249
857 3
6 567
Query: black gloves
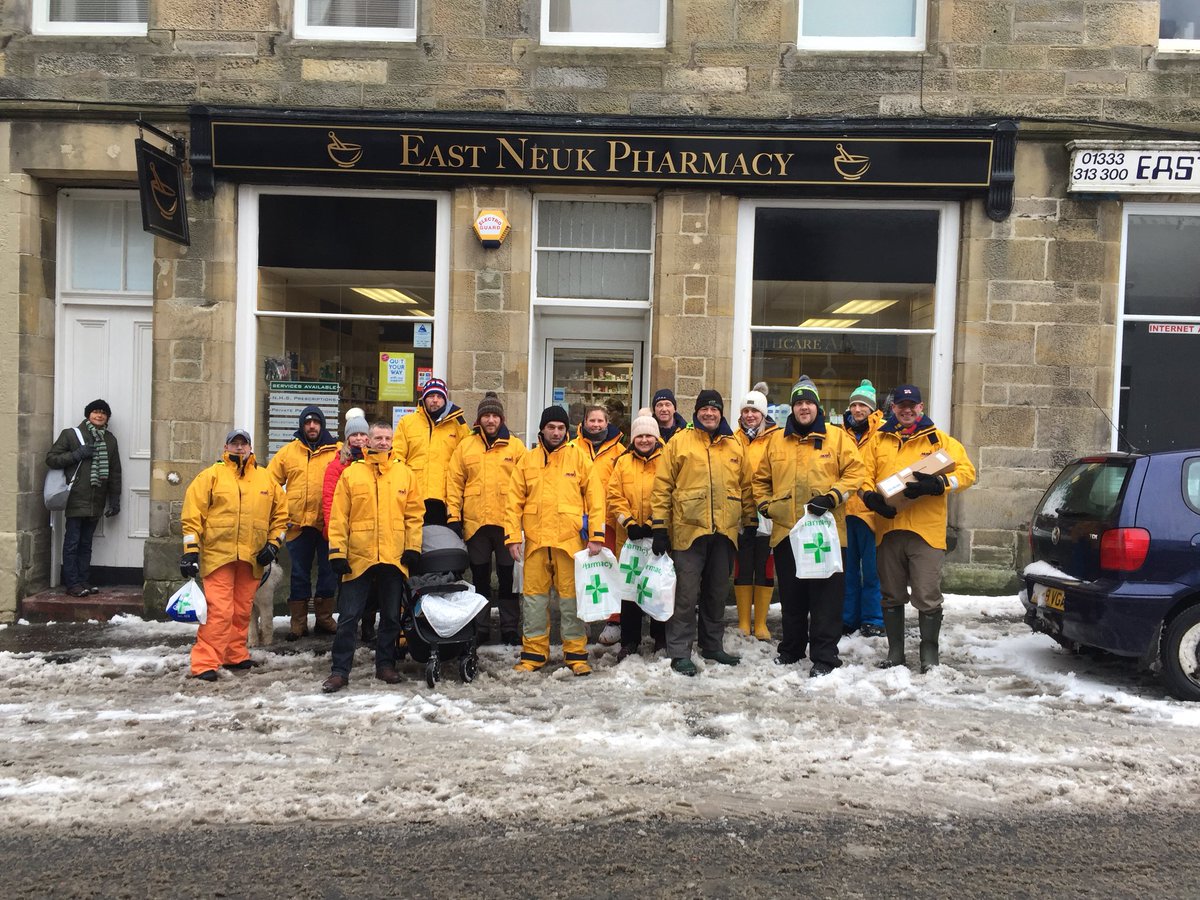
189 565
267 555
762 511
114 508
409 559
875 503
925 486
340 566
662 542
638 532
818 506
82 452
456 527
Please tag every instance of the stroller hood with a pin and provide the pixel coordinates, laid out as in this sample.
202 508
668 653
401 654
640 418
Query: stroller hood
442 551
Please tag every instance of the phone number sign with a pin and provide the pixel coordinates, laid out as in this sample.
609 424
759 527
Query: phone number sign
1134 167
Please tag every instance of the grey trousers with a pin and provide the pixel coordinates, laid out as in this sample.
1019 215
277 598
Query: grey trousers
701 588
906 561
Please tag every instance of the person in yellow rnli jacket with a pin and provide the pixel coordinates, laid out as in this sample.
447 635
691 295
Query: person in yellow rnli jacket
754 575
630 488
375 528
476 496
425 440
300 466
234 517
670 422
911 542
701 502
861 610
601 441
550 493
808 467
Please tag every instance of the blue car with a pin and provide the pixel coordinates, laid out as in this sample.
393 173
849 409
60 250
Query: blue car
1115 549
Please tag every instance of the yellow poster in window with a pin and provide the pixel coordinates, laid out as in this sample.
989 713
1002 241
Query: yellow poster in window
397 371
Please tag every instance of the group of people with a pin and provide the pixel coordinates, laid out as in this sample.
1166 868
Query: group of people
720 501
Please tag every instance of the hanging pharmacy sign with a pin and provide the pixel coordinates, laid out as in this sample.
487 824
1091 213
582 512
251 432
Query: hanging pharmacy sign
1134 167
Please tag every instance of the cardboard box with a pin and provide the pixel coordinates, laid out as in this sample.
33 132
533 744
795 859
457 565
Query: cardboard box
892 488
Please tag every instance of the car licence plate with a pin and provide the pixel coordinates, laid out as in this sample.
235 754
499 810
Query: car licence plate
1049 598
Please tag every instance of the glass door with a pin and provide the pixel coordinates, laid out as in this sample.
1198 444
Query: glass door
580 374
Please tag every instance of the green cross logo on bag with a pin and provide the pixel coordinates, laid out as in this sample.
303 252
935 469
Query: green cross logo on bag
643 592
595 589
632 569
818 546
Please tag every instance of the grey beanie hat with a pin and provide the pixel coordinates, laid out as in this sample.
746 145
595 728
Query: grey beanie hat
356 425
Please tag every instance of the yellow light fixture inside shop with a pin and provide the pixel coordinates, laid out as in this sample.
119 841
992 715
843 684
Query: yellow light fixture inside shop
828 323
863 307
385 295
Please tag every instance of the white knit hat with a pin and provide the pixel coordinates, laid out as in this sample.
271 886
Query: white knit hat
755 400
643 425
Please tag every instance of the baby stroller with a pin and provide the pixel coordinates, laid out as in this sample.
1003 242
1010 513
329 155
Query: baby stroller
439 612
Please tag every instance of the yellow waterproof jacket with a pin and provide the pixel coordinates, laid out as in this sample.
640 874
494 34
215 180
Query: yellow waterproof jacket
702 486
426 446
377 513
230 512
478 479
756 446
630 488
302 473
549 495
892 451
855 506
795 468
603 459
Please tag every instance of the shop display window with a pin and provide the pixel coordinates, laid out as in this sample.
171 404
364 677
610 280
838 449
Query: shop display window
357 20
613 23
594 377
84 17
862 25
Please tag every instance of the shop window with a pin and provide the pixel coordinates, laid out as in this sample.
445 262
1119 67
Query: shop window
84 17
107 249
613 23
1160 328
357 20
594 250
345 311
845 293
1179 25
862 25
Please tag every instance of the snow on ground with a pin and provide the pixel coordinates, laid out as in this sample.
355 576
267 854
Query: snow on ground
116 732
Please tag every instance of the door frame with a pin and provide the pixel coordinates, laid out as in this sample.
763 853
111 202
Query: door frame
549 345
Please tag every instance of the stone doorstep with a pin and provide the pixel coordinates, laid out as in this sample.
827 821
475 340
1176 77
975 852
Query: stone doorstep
57 605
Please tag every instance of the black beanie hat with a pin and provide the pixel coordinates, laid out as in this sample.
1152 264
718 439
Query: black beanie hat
97 405
664 394
709 397
553 414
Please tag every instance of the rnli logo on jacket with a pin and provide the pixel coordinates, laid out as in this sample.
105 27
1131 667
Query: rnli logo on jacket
568 474
509 459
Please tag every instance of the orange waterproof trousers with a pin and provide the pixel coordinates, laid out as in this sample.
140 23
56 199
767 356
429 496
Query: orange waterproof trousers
221 640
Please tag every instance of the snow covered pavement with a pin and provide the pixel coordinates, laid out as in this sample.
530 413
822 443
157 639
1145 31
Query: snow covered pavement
115 732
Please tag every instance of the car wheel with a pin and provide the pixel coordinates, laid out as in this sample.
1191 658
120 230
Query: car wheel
1181 655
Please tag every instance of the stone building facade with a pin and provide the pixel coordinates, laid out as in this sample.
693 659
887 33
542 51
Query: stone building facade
1021 346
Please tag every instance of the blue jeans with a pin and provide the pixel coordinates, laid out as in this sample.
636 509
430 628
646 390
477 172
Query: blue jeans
311 543
352 600
862 603
77 550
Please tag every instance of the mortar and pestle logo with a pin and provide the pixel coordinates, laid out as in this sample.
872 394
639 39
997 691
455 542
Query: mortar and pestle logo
343 154
165 198
850 166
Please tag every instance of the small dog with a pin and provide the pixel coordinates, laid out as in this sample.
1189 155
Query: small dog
262 613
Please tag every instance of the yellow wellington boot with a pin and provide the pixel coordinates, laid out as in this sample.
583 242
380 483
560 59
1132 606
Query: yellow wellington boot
743 593
534 653
762 601
299 611
324 608
575 656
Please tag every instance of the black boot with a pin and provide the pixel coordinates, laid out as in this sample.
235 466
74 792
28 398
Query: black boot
482 577
931 627
893 625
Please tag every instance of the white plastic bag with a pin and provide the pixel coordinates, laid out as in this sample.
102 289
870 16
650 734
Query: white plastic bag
188 604
656 588
449 613
634 556
765 526
596 585
519 573
816 546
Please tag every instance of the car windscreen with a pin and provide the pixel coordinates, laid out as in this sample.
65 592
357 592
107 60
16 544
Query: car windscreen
1088 489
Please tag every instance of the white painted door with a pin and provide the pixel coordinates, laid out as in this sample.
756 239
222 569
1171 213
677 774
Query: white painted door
104 352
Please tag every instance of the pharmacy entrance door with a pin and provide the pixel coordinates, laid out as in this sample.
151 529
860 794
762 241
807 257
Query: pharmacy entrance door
581 373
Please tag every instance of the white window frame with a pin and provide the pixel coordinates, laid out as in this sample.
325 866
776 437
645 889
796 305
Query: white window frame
1138 209
941 363
911 44
41 24
305 32
645 39
1177 45
247 315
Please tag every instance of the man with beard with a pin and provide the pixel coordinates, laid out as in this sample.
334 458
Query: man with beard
477 486
425 439
700 504
550 493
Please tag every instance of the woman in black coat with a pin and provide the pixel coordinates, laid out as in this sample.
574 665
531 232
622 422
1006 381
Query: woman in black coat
95 491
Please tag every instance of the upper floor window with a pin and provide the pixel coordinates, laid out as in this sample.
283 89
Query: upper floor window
862 25
611 23
357 20
1179 25
120 17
